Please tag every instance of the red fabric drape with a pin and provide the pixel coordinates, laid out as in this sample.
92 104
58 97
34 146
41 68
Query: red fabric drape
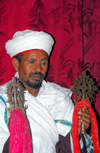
75 26
20 137
94 127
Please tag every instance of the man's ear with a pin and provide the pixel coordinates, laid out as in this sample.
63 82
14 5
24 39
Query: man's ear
15 63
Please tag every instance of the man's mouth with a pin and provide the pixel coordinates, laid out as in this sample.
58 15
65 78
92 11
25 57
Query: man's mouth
37 76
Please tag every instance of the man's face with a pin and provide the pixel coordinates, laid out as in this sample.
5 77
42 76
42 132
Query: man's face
33 67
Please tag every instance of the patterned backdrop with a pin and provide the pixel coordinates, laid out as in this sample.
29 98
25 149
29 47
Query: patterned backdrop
74 24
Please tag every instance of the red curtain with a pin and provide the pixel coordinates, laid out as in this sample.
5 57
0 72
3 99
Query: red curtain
74 24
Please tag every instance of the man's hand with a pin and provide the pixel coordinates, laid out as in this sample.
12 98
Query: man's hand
84 118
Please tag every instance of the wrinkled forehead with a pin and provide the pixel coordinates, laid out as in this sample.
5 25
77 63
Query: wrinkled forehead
34 51
35 54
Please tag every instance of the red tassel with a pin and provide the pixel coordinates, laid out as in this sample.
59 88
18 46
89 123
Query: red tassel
20 138
94 127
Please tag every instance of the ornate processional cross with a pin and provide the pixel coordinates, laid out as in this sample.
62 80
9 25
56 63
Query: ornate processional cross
84 87
15 96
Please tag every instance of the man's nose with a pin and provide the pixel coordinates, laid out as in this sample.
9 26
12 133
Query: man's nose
38 67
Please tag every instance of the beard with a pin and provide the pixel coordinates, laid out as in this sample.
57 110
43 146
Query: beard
34 85
37 83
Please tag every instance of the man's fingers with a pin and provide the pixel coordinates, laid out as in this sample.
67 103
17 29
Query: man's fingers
84 114
84 118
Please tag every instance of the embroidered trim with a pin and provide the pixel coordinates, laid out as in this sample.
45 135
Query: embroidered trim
64 122
89 146
6 113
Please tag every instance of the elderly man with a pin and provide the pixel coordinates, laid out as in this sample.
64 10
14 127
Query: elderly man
49 104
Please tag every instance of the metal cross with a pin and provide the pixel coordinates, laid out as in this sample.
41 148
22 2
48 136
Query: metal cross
84 87
15 96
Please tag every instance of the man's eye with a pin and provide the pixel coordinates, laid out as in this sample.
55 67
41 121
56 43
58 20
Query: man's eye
31 61
44 63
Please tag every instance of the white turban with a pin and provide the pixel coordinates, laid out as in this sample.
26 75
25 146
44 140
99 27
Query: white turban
28 40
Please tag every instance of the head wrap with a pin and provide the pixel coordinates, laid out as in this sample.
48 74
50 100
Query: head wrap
28 40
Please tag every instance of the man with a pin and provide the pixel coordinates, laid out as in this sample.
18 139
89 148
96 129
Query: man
47 102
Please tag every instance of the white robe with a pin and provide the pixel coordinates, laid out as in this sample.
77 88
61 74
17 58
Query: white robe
52 102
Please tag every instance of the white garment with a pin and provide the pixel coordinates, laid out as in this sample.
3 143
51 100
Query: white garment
52 102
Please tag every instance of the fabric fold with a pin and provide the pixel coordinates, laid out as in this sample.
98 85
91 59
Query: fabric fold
94 127
20 138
